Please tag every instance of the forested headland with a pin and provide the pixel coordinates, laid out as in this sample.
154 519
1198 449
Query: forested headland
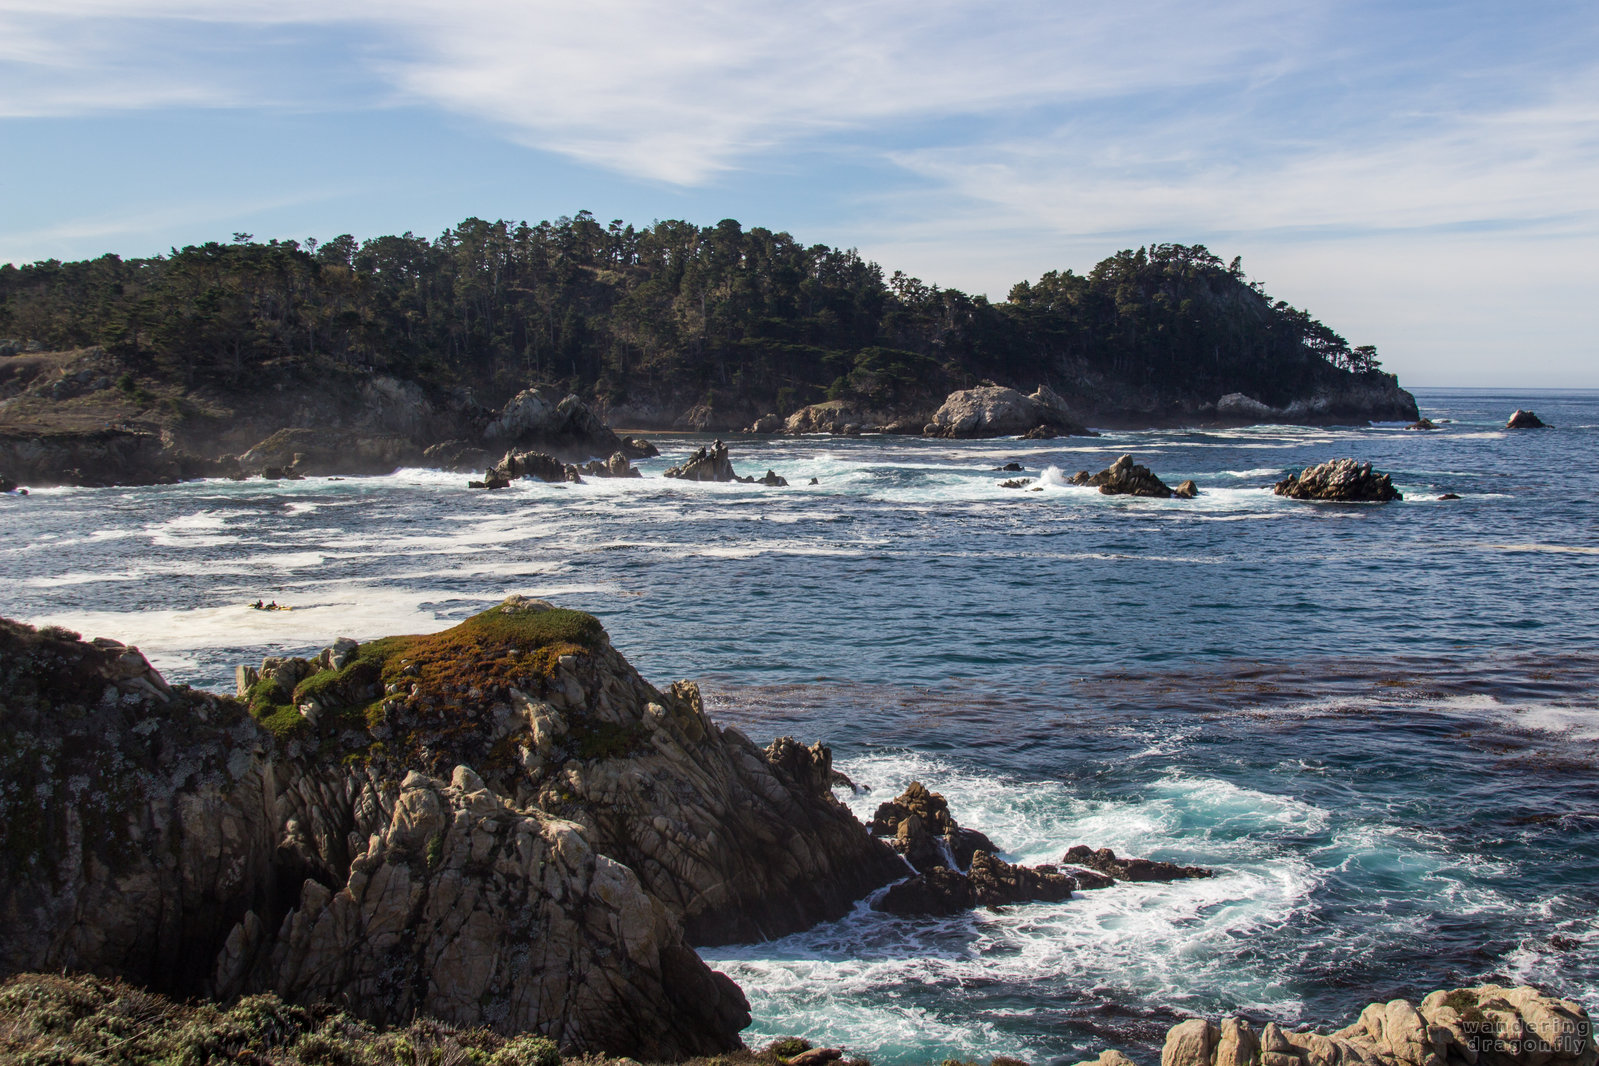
652 323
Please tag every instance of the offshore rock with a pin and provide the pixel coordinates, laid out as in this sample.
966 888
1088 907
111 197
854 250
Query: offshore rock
320 452
568 426
456 456
773 478
706 464
1186 490
639 448
1423 424
615 466
996 411
1341 480
1488 1025
1125 478
925 832
991 882
1525 420
1105 862
537 465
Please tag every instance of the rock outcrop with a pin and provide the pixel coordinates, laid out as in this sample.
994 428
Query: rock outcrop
320 452
1127 478
996 411
539 466
501 824
706 464
565 426
842 418
1525 420
1487 1025
1341 480
1104 861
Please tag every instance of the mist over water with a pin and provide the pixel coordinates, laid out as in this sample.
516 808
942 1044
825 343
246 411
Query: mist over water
1379 724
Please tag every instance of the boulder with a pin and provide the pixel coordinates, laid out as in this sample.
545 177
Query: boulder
774 479
1125 478
1423 424
455 456
1186 490
639 448
1341 480
1009 468
1016 483
1450 496
767 424
1525 420
706 464
615 466
838 417
1104 861
996 411
568 426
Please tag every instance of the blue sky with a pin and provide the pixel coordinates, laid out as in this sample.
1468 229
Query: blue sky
1421 176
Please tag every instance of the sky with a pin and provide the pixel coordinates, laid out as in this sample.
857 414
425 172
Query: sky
1420 176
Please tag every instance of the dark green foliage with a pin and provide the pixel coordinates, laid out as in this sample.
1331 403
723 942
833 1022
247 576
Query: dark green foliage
711 314
274 708
85 1021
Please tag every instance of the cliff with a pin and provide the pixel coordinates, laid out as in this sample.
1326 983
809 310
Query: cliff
500 825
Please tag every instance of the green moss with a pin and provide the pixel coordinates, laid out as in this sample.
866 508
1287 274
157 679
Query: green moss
789 1046
270 706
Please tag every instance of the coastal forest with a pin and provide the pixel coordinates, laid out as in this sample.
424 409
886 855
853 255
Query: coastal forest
670 313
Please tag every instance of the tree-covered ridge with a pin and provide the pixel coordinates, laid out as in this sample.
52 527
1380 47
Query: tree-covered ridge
671 313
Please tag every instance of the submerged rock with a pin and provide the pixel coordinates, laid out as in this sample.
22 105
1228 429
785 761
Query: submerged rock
1104 861
991 882
1126 478
1341 480
1423 424
1525 420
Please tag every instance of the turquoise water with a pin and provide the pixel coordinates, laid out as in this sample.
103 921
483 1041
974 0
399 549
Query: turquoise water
1378 723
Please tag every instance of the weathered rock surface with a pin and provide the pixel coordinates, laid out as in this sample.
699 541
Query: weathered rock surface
639 448
772 478
319 452
1186 490
1104 861
922 829
706 464
846 419
539 466
1488 1025
565 426
1525 420
1126 478
614 466
1342 480
456 456
499 825
996 411
990 882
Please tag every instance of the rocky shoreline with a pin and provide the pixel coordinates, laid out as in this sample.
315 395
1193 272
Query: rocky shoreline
86 418
504 828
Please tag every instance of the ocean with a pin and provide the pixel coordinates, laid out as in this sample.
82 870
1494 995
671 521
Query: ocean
1378 724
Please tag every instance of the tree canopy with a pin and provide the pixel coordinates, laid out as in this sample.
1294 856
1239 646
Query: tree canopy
670 310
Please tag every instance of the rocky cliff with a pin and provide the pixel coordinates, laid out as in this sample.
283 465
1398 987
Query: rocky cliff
499 825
